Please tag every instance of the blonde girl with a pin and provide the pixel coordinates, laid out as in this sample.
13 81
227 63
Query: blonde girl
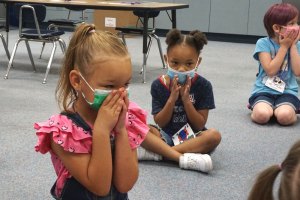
93 140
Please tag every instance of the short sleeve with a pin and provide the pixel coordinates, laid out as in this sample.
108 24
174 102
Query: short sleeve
262 45
64 132
136 124
203 93
158 93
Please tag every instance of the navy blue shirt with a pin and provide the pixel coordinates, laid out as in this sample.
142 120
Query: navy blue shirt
201 95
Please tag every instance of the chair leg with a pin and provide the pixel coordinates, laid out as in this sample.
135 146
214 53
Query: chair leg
147 54
42 49
62 44
50 62
5 46
123 37
149 46
11 58
30 55
160 49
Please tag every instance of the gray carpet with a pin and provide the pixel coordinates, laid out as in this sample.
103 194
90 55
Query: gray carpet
246 148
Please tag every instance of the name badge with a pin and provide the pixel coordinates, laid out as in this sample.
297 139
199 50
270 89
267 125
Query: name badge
275 83
183 134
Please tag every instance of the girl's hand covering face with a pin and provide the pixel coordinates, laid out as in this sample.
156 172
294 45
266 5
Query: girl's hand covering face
109 112
185 90
175 87
124 101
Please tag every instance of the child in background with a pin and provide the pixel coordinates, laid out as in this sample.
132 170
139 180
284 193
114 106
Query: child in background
275 91
93 140
181 100
289 187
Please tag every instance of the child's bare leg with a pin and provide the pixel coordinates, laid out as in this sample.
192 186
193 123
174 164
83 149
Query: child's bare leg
207 141
262 112
285 115
158 146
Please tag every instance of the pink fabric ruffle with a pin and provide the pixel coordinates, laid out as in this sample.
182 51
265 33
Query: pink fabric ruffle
136 124
65 133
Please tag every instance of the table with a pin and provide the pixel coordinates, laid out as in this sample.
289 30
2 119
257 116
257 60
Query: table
108 5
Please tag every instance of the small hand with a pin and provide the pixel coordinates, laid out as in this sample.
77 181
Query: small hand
185 90
109 112
121 124
175 87
297 38
287 41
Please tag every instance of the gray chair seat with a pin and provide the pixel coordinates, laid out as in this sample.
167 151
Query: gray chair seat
46 34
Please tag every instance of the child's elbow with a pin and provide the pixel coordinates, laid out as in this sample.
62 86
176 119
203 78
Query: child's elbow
101 191
124 188
127 185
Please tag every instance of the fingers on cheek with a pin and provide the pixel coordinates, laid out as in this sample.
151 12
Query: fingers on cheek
111 95
116 96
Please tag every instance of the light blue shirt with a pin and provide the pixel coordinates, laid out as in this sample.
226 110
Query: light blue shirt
286 74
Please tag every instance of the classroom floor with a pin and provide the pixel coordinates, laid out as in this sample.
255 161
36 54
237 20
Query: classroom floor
245 149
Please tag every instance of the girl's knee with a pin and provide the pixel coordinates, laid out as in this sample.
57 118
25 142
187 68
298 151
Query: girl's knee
214 137
261 116
286 117
154 130
217 137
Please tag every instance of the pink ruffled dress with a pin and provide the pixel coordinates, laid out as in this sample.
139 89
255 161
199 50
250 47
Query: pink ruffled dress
78 139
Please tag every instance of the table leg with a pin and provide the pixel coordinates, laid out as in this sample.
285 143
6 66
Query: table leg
145 46
173 18
7 22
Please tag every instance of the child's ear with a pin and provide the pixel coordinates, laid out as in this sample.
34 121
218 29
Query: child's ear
75 79
276 28
199 61
165 58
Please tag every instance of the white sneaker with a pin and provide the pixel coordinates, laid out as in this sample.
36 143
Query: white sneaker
196 161
144 154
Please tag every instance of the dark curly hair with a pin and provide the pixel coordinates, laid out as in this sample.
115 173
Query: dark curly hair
195 39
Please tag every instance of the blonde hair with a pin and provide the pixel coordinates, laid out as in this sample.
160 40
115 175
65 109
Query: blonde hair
289 188
85 45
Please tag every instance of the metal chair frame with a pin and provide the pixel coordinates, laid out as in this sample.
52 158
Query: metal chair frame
5 46
139 30
44 36
68 23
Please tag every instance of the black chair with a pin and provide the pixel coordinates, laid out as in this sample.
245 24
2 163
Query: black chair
35 14
66 23
4 44
138 29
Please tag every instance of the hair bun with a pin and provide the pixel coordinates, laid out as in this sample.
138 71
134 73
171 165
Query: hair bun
199 37
173 36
